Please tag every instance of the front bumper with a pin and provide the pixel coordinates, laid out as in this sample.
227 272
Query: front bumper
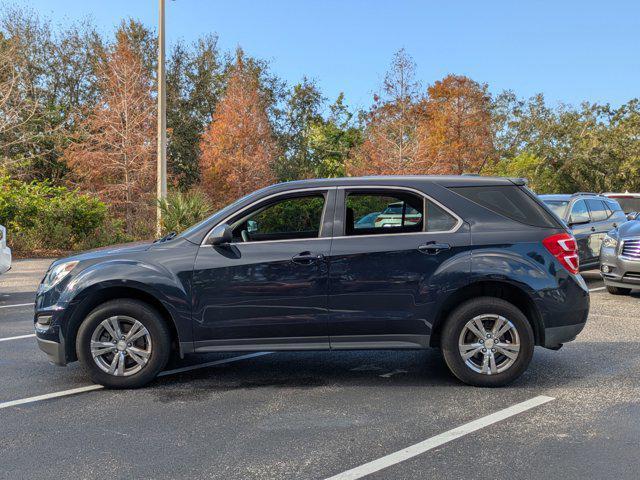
618 271
51 342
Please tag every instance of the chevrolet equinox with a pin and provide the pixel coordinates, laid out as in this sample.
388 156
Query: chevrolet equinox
475 266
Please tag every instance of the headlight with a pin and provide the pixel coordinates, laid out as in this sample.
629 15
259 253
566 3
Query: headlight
609 241
56 274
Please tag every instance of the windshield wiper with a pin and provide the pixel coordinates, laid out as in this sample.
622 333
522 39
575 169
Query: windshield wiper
167 237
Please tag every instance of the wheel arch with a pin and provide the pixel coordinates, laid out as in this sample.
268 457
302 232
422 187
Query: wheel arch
90 300
509 292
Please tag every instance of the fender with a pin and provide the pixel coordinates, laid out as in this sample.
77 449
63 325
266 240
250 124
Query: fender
114 278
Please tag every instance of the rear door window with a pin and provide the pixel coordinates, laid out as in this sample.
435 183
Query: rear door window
598 210
389 212
509 201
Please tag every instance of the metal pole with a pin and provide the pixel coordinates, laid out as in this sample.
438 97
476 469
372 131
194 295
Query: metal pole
162 120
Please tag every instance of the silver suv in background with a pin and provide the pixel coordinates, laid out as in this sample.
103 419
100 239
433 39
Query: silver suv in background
589 216
5 252
620 258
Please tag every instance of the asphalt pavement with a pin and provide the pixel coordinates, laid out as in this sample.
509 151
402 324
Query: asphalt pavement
574 414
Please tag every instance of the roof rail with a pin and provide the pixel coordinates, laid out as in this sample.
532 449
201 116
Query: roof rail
577 194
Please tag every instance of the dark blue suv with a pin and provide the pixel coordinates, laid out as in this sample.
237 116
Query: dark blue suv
475 266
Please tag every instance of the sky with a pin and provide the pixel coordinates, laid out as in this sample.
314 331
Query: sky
571 51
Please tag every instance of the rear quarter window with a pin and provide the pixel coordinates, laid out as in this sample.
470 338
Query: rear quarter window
509 201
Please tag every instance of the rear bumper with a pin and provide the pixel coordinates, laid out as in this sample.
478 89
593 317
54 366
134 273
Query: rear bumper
554 337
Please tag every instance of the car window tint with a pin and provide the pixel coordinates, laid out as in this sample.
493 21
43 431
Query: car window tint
509 201
557 206
579 213
381 212
598 210
290 218
437 219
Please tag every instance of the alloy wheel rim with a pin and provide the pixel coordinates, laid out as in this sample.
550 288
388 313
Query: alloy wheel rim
489 344
121 346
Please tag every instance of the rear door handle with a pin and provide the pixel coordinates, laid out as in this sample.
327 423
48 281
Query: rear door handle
433 248
593 229
307 258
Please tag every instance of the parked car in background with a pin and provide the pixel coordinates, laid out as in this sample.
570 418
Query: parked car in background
620 259
589 216
367 221
482 271
5 251
397 213
630 202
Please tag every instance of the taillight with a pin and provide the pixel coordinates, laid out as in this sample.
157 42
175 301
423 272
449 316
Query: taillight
564 247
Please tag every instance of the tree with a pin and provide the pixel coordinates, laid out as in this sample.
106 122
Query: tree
114 156
238 149
302 109
195 81
332 140
57 71
392 144
457 134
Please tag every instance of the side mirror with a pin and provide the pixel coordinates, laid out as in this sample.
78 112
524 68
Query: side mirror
220 235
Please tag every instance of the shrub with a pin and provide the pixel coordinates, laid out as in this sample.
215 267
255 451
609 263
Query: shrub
41 217
181 210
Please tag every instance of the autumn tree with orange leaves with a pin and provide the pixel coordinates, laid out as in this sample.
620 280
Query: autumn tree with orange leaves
393 138
114 155
458 136
239 148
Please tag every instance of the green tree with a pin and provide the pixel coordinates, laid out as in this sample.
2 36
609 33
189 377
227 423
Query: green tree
332 140
301 111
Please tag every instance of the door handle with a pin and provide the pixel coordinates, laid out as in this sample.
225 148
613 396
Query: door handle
432 248
307 258
615 225
593 229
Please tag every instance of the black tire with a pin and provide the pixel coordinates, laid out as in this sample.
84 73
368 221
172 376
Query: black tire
454 326
618 290
150 319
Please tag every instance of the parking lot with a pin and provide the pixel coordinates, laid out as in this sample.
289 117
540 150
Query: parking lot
574 414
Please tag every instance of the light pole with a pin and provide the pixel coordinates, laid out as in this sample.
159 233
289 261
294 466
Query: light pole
162 121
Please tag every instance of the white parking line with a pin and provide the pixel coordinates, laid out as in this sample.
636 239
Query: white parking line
91 388
6 339
433 442
596 289
18 305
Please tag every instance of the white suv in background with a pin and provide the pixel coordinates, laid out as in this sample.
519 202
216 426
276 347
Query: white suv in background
5 252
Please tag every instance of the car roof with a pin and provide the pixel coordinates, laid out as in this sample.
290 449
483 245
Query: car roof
622 195
556 196
443 180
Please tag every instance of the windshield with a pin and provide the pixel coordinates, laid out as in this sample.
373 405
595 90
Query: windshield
557 206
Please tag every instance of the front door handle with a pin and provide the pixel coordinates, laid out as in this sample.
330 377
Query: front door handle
615 225
307 258
593 229
432 248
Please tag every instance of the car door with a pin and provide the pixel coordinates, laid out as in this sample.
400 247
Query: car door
580 223
602 222
268 287
381 275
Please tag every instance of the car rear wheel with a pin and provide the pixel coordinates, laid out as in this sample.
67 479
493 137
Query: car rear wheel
618 290
123 344
487 342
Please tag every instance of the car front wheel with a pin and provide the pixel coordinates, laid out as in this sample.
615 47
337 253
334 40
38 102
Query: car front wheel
487 342
123 343
618 290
